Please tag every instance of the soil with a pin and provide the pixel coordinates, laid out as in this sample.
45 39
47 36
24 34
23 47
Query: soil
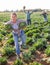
39 55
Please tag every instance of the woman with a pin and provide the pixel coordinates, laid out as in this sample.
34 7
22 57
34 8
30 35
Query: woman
14 22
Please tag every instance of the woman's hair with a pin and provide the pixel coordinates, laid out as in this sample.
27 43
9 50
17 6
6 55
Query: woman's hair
14 14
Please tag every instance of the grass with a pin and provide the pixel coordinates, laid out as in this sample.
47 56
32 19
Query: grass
36 33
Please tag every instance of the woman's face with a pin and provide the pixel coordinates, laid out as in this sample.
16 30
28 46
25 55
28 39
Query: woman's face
13 18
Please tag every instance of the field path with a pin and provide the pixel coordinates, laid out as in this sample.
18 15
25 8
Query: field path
39 56
11 60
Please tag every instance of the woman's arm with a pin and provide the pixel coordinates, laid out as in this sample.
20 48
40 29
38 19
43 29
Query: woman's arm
9 22
20 21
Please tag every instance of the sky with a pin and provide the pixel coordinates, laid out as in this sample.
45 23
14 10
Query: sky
18 4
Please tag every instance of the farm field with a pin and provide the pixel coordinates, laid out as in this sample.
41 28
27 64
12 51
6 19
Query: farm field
37 49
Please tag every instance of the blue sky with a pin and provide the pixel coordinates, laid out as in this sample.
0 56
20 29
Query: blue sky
18 4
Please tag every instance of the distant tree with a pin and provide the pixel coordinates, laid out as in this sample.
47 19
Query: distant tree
6 10
11 10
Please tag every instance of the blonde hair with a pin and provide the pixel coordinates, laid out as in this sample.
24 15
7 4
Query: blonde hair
14 14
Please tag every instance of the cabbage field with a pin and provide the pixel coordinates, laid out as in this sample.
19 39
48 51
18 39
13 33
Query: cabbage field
37 49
